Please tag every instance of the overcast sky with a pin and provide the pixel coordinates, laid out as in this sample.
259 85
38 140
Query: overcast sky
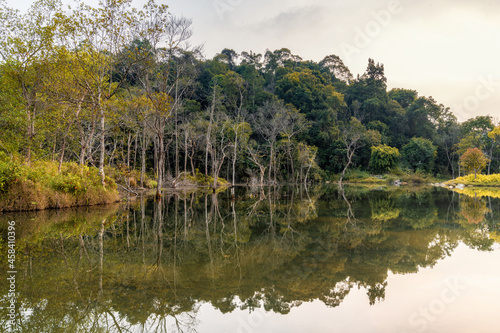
448 49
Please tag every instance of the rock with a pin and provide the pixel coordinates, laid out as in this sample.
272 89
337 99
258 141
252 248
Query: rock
460 186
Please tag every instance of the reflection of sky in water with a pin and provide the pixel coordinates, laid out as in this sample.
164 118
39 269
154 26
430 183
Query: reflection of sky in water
474 307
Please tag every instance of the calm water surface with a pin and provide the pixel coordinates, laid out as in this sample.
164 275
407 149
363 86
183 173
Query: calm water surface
291 259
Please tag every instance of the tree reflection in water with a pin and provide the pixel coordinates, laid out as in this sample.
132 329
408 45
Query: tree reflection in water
150 264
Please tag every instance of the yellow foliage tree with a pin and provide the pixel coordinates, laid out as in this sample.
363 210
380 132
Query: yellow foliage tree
473 160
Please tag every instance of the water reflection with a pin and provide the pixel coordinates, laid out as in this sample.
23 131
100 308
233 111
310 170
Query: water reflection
150 265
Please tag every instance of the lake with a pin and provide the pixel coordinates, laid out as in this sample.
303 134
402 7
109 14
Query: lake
288 259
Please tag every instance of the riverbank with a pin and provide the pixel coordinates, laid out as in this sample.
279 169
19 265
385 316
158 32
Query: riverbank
479 180
397 177
40 186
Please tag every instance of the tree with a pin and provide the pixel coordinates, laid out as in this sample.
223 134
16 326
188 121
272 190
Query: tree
63 76
25 42
384 158
295 123
494 136
351 135
164 77
270 122
419 154
239 135
473 160
404 97
97 36
336 66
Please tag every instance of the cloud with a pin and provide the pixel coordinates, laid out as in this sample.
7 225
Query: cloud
299 21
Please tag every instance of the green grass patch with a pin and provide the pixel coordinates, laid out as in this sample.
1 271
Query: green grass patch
361 177
480 180
40 186
186 179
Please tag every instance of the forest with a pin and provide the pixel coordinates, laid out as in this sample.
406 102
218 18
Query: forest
117 88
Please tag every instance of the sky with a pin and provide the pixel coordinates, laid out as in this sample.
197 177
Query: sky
447 49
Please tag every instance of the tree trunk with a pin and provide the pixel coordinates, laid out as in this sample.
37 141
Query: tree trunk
270 163
490 159
129 143
291 159
349 160
143 155
135 150
161 161
193 170
212 110
61 158
103 148
235 156
310 165
176 142
185 153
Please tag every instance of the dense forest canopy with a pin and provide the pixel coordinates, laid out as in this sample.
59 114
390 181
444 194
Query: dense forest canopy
114 85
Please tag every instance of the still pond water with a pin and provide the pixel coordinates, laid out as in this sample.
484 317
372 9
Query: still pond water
267 260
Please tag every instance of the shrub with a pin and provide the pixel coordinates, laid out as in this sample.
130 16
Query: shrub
69 183
9 173
40 186
419 154
151 183
384 158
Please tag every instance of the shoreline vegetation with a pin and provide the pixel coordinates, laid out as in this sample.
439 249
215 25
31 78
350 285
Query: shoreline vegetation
40 186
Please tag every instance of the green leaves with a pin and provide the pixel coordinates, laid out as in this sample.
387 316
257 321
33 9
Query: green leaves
419 154
384 158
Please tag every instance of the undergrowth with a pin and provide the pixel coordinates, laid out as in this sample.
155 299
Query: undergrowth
40 185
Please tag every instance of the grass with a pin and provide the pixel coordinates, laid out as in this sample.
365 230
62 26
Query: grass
186 179
363 177
40 186
480 180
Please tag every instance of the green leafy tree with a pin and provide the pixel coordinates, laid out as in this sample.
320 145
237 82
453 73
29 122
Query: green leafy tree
404 97
419 154
25 42
384 158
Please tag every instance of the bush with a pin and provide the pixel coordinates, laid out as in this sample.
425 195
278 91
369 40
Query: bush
419 154
418 177
40 186
384 158
69 184
484 180
358 176
151 183
9 173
